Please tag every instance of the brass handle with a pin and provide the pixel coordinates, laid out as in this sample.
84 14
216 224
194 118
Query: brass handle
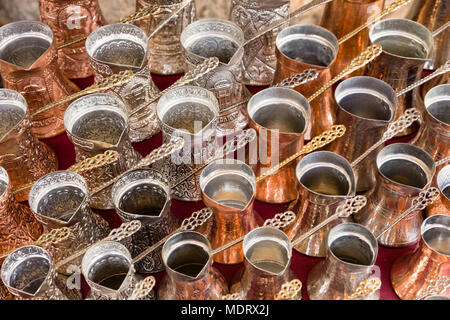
365 288
289 290
143 289
435 288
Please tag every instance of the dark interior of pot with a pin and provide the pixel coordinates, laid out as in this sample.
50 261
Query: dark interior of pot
214 46
29 275
268 255
121 51
404 172
366 106
308 51
188 259
230 190
25 50
352 249
326 180
110 271
440 110
188 116
61 203
143 199
100 125
403 46
10 116
281 116
438 238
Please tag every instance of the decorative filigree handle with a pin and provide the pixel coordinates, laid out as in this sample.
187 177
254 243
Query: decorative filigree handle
317 142
360 61
163 151
365 288
232 296
280 220
141 14
442 161
196 220
298 79
115 80
404 121
203 68
143 289
424 199
436 287
289 290
349 207
394 6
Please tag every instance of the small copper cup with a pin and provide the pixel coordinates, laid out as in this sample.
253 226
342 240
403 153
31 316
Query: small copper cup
407 45
71 20
96 123
412 273
280 117
28 64
434 134
366 106
228 188
324 180
351 254
342 17
190 274
252 16
21 153
442 204
109 271
404 171
28 273
144 195
166 51
207 38
61 199
305 46
268 253
118 47
18 227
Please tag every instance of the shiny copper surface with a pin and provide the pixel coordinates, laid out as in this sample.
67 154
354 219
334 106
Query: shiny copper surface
441 181
70 20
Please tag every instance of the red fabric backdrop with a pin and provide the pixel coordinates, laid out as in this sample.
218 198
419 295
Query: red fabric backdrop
300 264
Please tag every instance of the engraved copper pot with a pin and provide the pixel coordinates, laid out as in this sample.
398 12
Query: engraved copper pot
166 52
252 16
324 180
280 117
117 47
267 254
301 47
28 273
190 274
144 195
191 113
61 199
403 171
71 20
434 134
351 254
407 45
21 153
109 272
342 17
366 106
223 39
28 64
18 225
412 273
442 204
96 123
228 188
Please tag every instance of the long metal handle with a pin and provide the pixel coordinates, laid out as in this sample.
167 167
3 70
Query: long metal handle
440 29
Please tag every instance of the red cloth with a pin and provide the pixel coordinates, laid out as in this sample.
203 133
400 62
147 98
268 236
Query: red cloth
300 263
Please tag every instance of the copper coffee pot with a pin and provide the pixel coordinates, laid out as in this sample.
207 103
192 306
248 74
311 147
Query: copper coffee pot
166 53
228 188
366 106
21 153
280 117
351 254
434 134
418 274
302 47
407 46
325 179
28 64
404 170
144 195
70 20
442 204
190 274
